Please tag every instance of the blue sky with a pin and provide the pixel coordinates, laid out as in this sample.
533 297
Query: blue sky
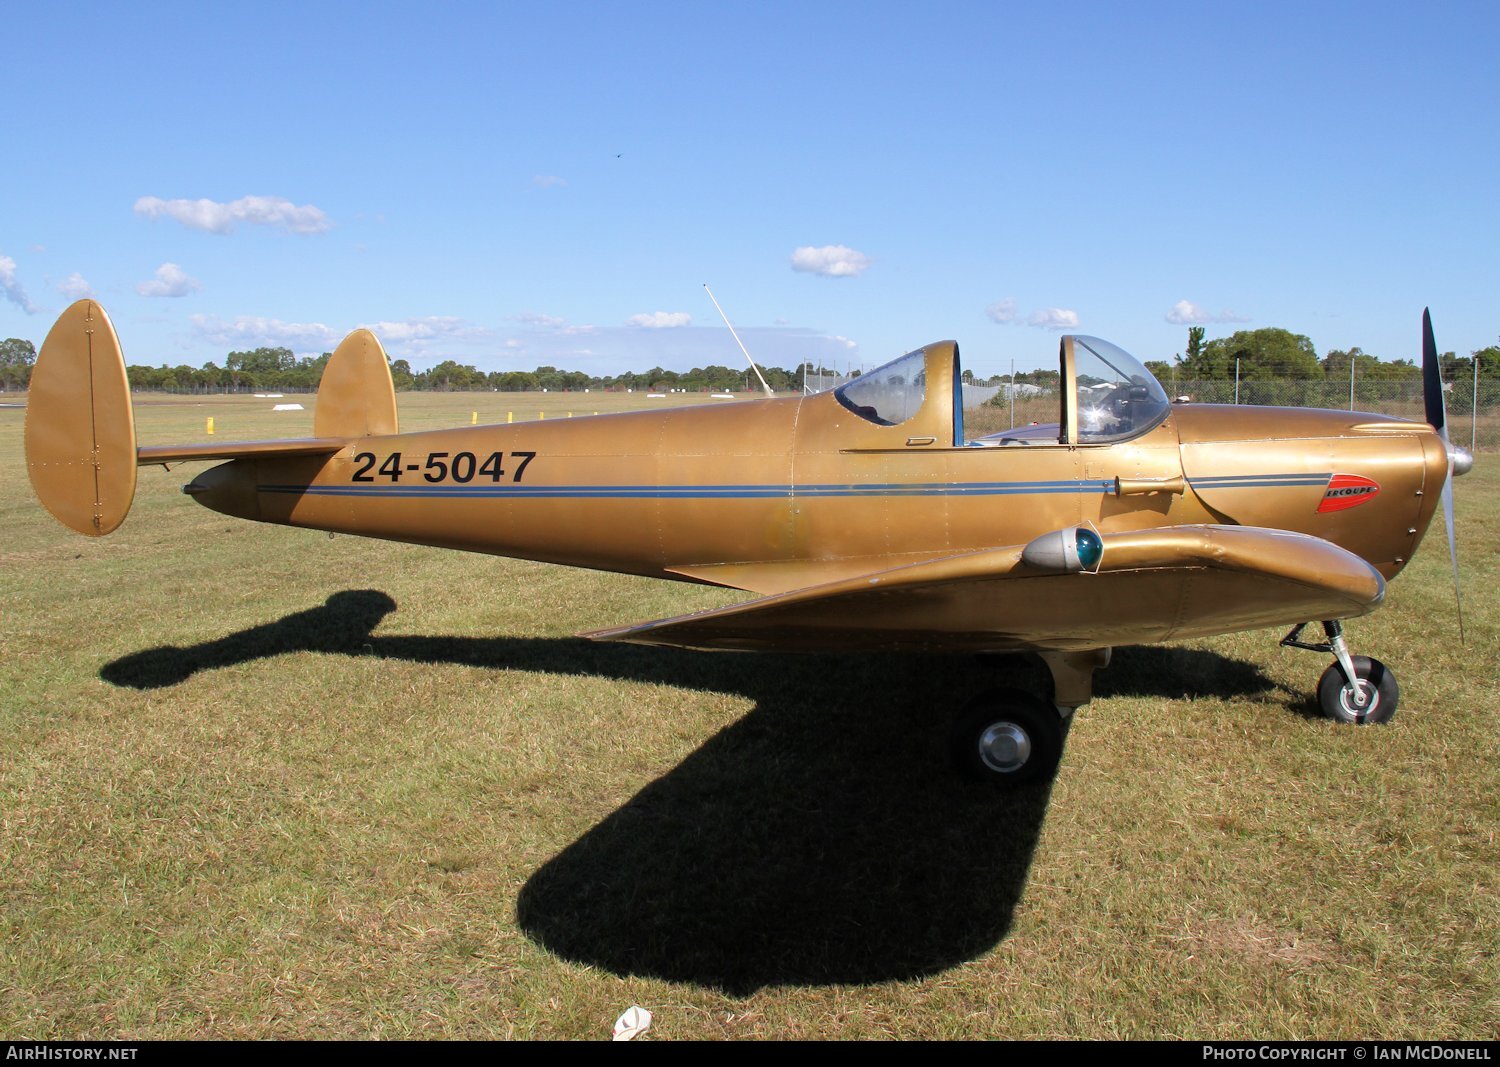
512 185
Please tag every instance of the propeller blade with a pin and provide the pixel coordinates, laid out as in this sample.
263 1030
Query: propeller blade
1437 415
1432 379
1453 547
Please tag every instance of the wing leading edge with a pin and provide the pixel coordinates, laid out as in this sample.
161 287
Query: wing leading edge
1151 585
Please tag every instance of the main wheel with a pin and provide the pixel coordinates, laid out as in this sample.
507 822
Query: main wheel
1008 738
1336 696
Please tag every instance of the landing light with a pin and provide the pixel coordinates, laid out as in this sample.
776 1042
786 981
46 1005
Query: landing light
1090 547
1069 550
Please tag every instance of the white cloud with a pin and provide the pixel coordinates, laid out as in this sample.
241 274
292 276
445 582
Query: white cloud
661 320
171 280
1053 318
549 323
411 335
424 330
831 261
548 181
537 319
252 331
842 340
211 216
1186 313
13 289
75 287
1002 311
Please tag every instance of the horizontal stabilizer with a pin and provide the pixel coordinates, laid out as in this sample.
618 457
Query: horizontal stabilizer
1151 585
147 455
81 449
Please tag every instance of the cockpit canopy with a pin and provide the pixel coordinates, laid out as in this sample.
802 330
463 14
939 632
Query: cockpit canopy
1101 394
888 395
1116 397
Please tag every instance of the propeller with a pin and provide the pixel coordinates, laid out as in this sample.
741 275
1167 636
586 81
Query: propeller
1437 415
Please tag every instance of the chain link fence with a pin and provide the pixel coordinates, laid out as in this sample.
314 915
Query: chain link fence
1473 405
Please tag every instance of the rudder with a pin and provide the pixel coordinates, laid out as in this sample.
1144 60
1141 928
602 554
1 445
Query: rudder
356 397
80 430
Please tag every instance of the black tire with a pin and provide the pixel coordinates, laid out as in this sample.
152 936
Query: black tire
1336 697
1007 738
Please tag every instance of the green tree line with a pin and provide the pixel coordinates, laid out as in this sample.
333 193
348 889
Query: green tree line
1262 355
279 369
1272 354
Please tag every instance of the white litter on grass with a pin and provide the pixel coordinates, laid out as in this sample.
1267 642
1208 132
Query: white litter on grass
635 1021
287 407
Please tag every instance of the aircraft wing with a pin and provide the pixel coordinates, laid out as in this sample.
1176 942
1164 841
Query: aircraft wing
1151 585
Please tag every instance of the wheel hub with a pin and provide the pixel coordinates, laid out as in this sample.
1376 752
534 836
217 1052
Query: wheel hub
1360 699
1004 747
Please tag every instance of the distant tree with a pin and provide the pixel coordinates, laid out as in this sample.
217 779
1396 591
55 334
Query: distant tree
451 376
1336 363
401 376
1488 359
16 359
1396 370
1195 343
263 363
1262 354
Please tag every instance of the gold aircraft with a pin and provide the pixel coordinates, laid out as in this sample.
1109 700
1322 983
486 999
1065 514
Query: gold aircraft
864 518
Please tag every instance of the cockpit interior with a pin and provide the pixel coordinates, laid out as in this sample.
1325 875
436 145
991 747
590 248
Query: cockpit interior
1102 395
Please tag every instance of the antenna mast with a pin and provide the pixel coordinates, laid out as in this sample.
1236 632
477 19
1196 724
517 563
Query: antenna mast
758 374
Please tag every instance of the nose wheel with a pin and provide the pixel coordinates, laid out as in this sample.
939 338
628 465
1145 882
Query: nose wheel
1354 689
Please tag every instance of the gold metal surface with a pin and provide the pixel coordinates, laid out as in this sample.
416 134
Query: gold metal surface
853 533
80 434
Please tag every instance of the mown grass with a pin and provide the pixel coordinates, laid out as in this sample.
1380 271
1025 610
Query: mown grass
257 782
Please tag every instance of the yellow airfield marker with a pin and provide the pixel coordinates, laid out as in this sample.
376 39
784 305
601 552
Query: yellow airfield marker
210 426
510 416
473 418
541 414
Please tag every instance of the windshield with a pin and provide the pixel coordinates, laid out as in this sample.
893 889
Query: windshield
1117 397
890 394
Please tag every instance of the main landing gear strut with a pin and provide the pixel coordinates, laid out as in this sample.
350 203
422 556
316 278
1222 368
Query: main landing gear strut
1355 689
1008 737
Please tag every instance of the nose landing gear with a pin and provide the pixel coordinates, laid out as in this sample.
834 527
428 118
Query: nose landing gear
1354 689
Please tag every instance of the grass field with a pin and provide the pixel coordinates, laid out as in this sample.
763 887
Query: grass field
258 782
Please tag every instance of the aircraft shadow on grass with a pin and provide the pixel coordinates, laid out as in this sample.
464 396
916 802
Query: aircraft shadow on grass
821 838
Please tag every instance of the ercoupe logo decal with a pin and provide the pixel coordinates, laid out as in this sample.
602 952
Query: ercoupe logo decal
1347 491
